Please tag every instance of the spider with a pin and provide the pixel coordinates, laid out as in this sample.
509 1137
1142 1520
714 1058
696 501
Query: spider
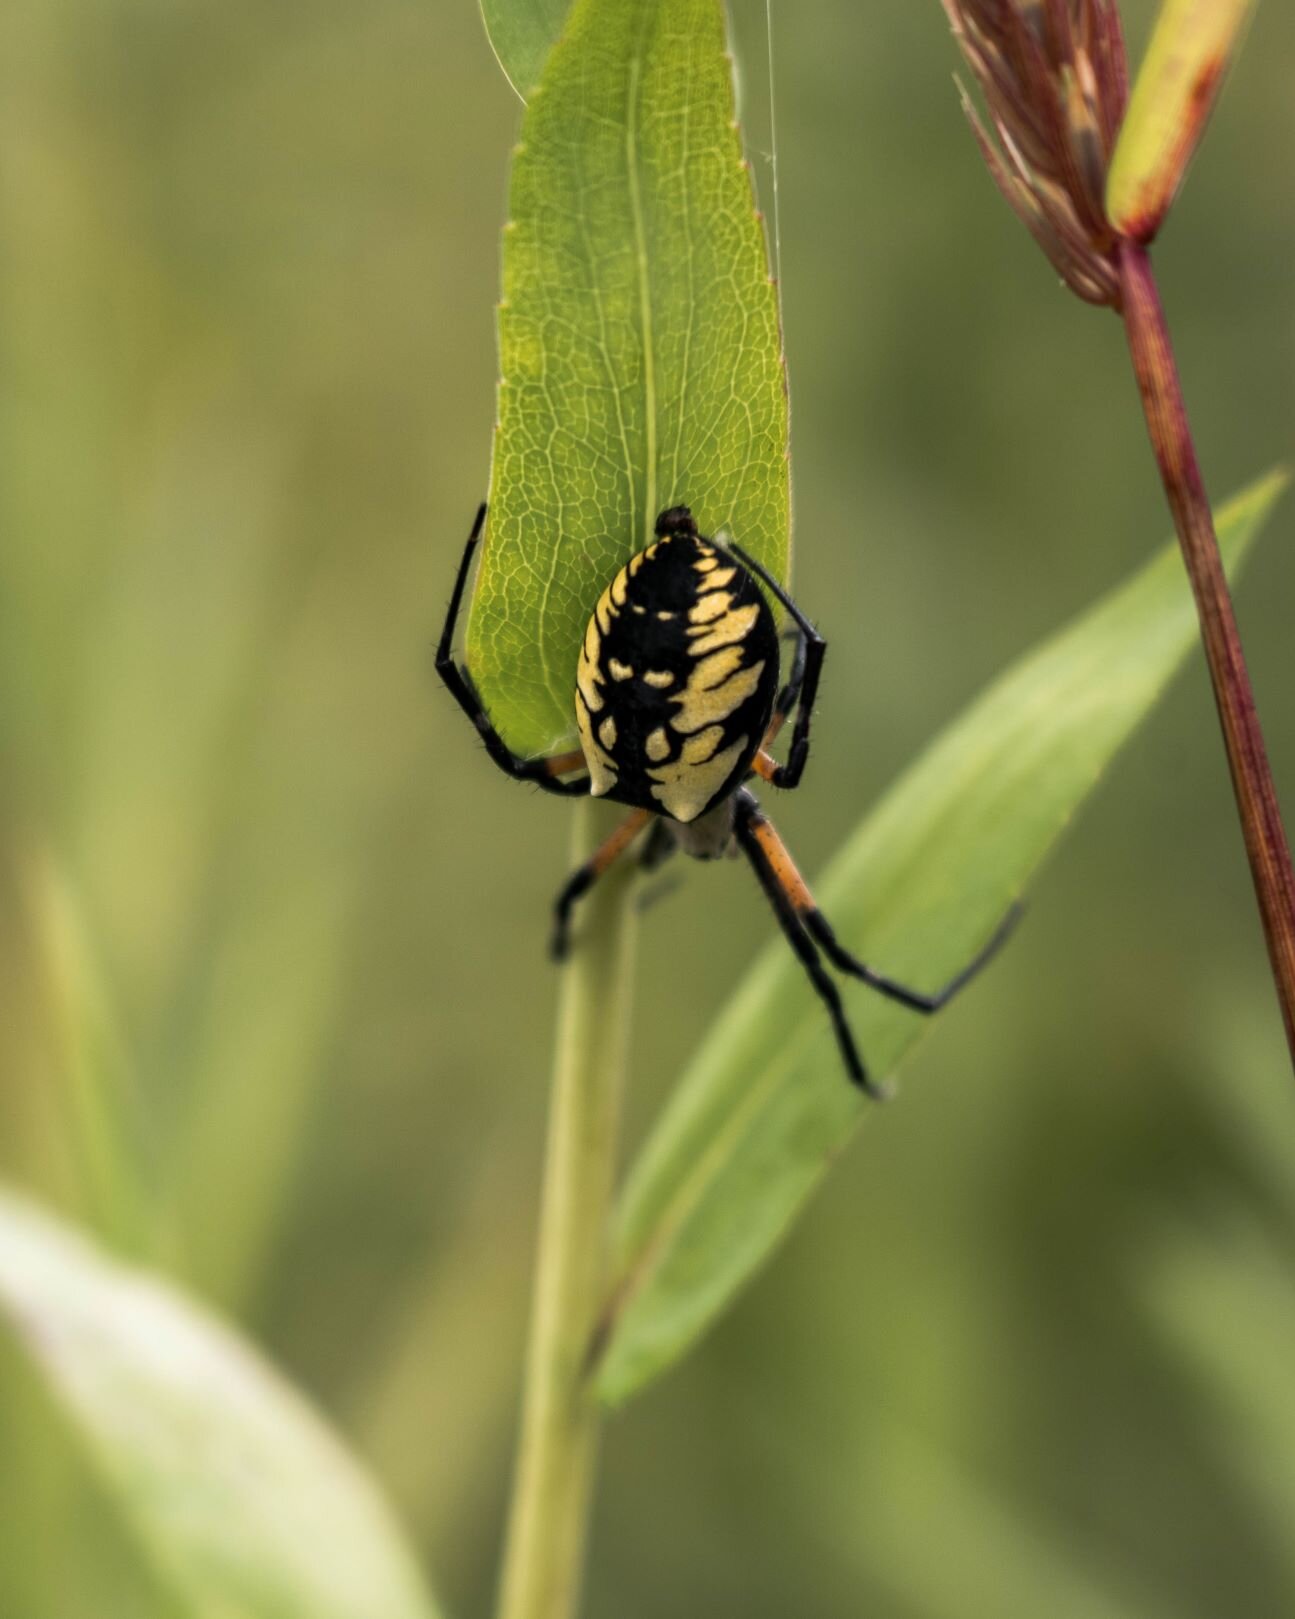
677 704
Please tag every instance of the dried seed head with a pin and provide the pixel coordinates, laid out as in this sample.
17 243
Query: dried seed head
1054 78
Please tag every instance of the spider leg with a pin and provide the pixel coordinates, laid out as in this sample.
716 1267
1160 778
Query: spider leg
815 649
796 910
915 999
584 877
789 695
658 847
783 887
545 773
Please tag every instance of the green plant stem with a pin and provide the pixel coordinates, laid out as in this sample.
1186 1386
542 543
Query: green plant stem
544 1554
1171 438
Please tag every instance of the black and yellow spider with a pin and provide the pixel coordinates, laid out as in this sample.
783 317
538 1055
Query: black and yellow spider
677 704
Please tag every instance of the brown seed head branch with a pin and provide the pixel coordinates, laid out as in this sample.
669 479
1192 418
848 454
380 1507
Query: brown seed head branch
1055 81
1171 439
1054 77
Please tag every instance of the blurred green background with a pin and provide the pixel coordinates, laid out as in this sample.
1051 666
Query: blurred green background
274 1012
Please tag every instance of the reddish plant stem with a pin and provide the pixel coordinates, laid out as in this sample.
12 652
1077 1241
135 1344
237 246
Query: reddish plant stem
1166 413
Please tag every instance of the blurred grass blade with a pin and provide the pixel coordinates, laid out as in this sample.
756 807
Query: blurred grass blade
997 1553
639 344
246 1502
278 960
1173 96
521 34
917 890
99 1115
1228 1309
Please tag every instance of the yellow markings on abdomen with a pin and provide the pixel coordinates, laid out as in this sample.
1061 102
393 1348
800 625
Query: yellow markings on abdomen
734 626
603 774
697 750
685 788
587 676
685 757
602 767
714 670
710 606
715 691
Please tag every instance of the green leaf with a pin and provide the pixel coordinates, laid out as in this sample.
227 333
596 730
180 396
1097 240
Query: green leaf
246 1502
1173 96
522 33
639 344
764 1106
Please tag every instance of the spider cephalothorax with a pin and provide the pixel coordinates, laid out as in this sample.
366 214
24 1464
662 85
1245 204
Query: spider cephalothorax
677 703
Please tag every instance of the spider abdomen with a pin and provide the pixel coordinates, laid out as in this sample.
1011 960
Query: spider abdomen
677 676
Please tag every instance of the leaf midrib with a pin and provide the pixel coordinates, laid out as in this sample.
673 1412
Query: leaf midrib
645 295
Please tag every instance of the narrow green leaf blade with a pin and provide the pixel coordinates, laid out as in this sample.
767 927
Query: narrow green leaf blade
639 343
917 890
521 34
1173 96
243 1498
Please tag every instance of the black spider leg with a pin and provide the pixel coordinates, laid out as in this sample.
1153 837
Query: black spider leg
788 775
789 695
584 877
748 824
841 958
543 772
659 845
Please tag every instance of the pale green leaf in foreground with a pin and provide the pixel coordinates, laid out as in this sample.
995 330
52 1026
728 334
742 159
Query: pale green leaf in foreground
917 890
522 33
639 344
1172 99
245 1501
